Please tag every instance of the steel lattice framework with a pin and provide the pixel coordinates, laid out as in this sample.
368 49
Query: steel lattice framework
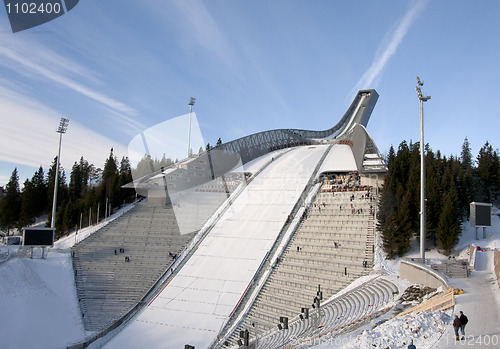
226 156
258 144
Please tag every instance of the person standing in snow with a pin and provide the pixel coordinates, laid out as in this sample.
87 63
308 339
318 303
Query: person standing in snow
463 321
412 346
456 326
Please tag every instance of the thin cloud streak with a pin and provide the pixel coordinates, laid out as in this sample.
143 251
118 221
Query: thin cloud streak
389 47
28 134
40 62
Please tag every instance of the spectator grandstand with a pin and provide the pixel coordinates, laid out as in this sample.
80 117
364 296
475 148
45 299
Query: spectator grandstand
116 266
332 247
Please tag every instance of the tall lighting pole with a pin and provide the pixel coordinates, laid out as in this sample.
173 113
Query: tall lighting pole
422 99
191 103
63 126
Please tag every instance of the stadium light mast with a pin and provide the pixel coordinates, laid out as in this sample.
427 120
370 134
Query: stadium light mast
422 99
191 103
63 126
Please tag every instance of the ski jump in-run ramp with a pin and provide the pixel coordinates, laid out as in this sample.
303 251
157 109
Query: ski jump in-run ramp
197 301
192 308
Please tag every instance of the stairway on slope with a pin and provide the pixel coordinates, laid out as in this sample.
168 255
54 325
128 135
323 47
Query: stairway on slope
116 266
328 249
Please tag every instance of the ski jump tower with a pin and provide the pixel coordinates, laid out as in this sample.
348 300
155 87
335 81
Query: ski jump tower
195 191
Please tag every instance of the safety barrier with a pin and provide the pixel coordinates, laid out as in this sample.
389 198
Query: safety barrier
419 273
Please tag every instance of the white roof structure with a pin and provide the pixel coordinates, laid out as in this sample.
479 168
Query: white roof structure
340 159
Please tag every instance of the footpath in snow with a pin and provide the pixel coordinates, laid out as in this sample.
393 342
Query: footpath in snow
480 303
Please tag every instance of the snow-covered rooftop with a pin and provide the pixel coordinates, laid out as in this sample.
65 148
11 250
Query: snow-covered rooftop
340 159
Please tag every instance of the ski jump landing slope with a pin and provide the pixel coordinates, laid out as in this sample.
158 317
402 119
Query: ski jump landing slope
192 308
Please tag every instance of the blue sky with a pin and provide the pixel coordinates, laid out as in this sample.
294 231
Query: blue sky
118 67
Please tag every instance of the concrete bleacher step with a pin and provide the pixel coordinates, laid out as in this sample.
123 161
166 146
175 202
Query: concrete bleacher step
342 314
108 286
293 282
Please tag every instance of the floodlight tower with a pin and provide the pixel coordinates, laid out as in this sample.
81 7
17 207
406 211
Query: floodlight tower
422 99
191 103
63 126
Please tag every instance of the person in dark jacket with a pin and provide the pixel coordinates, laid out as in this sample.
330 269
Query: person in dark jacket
463 321
456 326
412 346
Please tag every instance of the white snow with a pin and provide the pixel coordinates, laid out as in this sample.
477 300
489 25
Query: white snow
340 159
38 304
480 302
192 308
39 308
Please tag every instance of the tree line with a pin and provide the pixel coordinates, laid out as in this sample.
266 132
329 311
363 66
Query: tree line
452 183
80 200
89 188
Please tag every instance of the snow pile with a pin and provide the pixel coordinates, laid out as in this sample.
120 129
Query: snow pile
39 305
423 328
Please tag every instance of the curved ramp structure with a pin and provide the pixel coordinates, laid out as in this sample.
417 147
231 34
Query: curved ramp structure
258 144
220 159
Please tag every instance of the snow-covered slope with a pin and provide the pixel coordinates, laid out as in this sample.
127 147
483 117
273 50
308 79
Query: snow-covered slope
39 309
38 305
194 305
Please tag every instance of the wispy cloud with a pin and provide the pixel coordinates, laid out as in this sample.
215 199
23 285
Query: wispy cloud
44 63
28 137
389 46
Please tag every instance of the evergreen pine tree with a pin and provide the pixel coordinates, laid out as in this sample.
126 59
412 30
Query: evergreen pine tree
466 155
75 182
110 178
28 206
39 191
10 205
389 235
144 167
488 167
404 226
433 197
125 177
449 227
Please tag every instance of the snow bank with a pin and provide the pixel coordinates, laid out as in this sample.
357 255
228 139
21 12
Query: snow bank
423 329
39 308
